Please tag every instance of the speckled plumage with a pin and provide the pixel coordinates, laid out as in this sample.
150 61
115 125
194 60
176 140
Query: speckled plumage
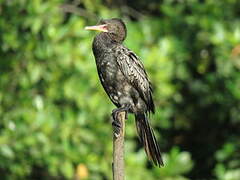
125 81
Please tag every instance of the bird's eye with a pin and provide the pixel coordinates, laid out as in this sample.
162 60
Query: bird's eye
112 33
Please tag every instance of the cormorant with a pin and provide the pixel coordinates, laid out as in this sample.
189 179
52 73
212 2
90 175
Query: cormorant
125 80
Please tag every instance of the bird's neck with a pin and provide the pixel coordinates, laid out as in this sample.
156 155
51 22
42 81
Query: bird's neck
103 42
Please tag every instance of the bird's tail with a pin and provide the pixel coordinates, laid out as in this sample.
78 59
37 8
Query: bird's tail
148 139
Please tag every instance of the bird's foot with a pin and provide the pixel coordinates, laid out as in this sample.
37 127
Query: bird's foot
115 112
116 123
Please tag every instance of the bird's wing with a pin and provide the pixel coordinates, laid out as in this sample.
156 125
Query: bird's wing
134 71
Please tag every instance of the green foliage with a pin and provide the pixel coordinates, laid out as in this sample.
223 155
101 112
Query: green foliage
55 116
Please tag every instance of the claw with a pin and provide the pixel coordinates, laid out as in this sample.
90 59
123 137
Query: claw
116 124
126 115
116 127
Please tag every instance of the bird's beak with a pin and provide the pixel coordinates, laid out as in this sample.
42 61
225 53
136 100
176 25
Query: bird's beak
102 28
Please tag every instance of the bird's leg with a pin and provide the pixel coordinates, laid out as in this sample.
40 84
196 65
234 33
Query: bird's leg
115 123
116 111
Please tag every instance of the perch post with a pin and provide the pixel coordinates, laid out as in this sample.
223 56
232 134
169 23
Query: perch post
118 149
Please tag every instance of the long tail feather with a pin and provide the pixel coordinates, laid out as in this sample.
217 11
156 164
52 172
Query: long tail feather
148 139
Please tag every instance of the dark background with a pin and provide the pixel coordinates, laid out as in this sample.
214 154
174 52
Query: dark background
55 116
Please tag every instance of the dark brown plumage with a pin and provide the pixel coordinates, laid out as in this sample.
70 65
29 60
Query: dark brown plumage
125 80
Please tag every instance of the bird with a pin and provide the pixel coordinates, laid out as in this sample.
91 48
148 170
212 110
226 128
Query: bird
124 79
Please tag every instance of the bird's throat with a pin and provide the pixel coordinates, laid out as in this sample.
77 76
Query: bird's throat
103 42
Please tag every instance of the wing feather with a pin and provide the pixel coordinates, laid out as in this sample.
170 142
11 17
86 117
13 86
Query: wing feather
134 71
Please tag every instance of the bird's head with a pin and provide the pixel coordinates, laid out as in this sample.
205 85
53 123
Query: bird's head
115 28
